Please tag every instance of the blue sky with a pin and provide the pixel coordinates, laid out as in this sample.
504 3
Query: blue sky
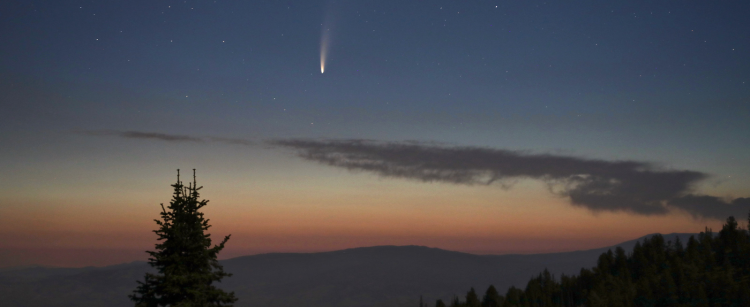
661 82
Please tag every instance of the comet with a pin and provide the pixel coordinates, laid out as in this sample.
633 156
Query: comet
325 40
325 36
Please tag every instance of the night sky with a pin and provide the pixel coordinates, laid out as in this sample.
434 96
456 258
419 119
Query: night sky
481 126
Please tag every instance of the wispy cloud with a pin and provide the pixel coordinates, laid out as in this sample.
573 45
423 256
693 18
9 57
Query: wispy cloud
599 185
146 135
168 137
231 141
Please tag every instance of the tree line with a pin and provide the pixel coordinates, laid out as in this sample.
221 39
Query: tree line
708 270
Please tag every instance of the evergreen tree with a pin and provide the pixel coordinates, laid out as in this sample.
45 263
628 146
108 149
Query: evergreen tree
492 298
513 297
439 303
186 263
455 302
472 300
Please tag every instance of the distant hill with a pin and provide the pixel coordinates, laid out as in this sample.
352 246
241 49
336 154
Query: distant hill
368 276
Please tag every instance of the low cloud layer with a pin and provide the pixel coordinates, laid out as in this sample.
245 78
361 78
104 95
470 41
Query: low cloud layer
599 185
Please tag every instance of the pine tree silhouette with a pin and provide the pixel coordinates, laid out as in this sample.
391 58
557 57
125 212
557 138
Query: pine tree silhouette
472 300
186 263
492 298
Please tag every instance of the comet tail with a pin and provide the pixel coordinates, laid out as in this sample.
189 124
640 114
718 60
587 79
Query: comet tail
324 41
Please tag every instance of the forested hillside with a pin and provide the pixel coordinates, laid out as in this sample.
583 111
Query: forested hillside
707 270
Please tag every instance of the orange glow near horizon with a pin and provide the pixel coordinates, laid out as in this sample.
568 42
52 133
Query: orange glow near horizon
312 216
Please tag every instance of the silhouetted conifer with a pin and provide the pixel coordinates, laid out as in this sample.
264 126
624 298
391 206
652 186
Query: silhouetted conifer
513 297
472 300
492 298
186 263
455 302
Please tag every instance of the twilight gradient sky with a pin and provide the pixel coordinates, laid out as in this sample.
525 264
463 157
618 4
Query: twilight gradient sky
480 125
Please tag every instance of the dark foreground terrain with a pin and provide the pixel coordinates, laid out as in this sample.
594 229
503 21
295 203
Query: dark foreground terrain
370 276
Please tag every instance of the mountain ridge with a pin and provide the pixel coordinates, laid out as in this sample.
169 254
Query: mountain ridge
385 275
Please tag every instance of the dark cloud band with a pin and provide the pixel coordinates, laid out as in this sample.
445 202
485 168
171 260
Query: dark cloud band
146 135
599 185
168 137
